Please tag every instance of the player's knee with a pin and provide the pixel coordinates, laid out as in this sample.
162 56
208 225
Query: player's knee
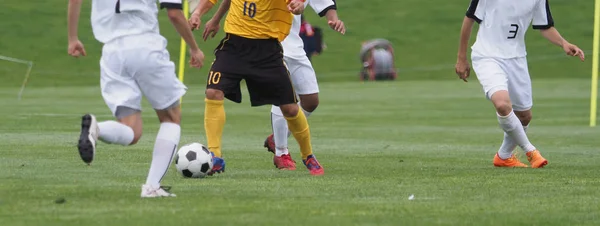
289 110
501 101
503 107
214 94
309 102
310 107
525 117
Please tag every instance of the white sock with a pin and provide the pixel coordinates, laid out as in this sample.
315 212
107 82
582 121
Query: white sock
114 132
512 126
508 145
280 131
164 148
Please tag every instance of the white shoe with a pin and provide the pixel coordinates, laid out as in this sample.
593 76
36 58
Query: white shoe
151 192
88 138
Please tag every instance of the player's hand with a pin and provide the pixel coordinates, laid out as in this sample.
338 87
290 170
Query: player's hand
337 25
195 21
296 7
197 58
76 48
573 50
211 28
463 69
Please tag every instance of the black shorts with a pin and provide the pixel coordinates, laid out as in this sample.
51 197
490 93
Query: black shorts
260 63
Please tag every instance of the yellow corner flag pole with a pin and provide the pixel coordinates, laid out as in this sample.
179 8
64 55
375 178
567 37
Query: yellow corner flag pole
182 50
594 97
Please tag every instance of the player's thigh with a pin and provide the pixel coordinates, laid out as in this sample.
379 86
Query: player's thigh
221 77
303 75
491 75
157 80
519 84
271 86
118 87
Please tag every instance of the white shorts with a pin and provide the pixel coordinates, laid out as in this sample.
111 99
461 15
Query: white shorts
303 75
127 73
505 74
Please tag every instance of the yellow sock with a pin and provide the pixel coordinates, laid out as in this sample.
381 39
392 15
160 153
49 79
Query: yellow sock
214 121
298 125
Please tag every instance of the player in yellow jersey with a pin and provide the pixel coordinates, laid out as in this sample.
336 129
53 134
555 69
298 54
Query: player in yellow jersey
251 50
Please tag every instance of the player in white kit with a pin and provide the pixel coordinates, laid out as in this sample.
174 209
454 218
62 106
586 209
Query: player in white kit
499 60
135 62
304 81
302 73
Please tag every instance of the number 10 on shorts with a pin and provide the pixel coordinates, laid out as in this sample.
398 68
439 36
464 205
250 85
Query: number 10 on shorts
214 77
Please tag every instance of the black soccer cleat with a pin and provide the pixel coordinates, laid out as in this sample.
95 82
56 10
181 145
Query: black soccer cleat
88 138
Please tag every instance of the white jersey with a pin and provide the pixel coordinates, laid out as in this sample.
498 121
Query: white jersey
112 19
503 23
293 46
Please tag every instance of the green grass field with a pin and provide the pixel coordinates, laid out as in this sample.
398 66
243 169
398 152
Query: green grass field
379 143
427 135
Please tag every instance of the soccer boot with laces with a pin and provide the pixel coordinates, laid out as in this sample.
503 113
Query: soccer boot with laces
88 138
284 162
536 160
313 166
270 144
510 162
151 192
218 165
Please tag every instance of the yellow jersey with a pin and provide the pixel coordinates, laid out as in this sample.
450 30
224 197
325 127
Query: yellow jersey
259 19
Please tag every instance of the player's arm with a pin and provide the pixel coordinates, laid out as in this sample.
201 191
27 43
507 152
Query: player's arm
223 8
475 13
212 26
328 9
177 18
463 69
203 7
75 48
554 36
543 21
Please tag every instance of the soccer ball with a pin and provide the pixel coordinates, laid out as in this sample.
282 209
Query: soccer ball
193 161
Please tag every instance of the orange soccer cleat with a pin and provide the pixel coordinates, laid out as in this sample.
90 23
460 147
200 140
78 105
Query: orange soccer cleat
510 162
536 159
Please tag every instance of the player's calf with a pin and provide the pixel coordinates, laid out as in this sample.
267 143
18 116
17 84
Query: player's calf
165 144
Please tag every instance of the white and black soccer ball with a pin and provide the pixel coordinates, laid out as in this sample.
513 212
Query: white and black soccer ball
193 161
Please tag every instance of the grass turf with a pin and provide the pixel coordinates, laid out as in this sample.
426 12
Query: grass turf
379 143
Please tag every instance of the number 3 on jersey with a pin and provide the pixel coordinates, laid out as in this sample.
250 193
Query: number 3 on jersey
249 9
514 31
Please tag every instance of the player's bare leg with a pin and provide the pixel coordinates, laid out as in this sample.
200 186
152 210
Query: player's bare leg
278 141
214 121
298 126
513 127
165 145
